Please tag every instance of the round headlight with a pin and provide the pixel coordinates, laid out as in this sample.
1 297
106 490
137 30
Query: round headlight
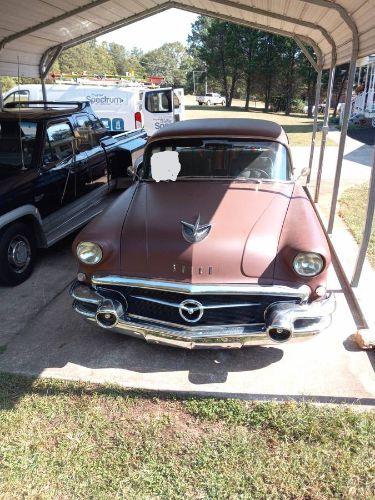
308 264
89 253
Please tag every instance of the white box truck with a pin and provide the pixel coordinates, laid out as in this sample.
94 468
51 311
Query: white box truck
120 108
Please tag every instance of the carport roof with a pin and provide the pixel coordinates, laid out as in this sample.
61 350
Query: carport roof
33 31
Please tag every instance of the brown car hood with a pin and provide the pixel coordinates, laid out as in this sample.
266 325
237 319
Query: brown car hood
246 220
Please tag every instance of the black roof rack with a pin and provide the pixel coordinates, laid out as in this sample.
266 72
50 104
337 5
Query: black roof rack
79 105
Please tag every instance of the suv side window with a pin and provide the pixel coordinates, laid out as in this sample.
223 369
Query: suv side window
59 139
87 138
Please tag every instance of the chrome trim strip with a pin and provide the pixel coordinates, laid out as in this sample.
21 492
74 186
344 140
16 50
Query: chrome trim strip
302 292
83 293
178 305
204 328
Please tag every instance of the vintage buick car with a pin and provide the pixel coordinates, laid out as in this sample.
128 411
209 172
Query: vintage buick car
214 245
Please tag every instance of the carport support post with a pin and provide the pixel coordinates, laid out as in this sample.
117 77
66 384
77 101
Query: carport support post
325 128
315 125
318 68
44 89
344 131
367 230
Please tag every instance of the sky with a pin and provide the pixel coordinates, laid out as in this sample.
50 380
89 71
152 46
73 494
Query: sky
170 26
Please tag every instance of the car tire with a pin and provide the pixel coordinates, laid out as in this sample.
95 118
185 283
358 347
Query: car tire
17 254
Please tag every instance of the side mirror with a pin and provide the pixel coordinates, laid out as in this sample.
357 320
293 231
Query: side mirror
303 173
131 171
135 171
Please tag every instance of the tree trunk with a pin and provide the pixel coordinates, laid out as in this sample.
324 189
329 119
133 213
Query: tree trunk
248 76
289 88
248 89
232 87
223 68
268 81
267 94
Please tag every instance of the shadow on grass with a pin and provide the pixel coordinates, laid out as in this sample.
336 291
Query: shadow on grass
14 387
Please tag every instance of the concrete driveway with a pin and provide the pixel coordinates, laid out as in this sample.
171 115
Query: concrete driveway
42 335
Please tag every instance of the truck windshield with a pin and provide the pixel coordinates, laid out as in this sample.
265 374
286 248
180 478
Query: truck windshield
211 158
17 143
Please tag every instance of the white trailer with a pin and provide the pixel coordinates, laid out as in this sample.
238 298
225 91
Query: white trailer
119 107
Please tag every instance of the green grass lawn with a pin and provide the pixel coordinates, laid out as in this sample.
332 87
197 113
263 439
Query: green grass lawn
353 205
74 440
297 126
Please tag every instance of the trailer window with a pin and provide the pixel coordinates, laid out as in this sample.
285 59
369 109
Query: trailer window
159 101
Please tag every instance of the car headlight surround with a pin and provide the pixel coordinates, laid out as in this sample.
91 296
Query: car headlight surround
89 252
308 264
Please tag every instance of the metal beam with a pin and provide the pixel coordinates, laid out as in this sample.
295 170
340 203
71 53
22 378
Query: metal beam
53 20
344 126
280 17
325 129
367 229
318 87
47 60
307 54
100 31
250 24
169 5
116 25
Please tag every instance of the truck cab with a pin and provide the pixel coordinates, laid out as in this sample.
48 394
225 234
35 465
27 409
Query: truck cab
57 165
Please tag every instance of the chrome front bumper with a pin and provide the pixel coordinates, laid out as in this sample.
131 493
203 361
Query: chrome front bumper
302 321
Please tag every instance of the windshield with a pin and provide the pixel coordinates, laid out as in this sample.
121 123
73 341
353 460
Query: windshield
17 143
217 158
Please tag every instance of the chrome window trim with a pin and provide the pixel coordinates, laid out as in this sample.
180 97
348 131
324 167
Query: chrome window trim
302 292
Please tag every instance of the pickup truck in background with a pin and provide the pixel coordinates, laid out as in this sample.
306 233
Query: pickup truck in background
211 99
58 164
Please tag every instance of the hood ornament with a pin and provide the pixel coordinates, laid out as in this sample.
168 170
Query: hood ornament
195 232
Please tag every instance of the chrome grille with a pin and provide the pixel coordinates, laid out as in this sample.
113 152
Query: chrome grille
217 309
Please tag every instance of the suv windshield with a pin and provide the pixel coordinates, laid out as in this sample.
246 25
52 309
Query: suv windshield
17 142
217 158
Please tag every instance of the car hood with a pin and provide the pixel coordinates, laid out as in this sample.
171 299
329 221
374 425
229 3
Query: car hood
246 221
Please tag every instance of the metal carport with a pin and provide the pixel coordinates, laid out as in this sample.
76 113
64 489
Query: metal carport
34 32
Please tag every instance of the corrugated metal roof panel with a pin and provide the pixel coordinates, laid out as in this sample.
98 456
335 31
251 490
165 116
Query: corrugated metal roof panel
20 15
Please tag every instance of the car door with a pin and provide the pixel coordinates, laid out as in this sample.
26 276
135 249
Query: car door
157 109
61 166
88 132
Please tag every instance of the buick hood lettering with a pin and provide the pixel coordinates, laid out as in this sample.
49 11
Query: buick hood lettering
193 233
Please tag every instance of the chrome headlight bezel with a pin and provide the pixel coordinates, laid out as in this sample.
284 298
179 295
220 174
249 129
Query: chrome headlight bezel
93 252
312 259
